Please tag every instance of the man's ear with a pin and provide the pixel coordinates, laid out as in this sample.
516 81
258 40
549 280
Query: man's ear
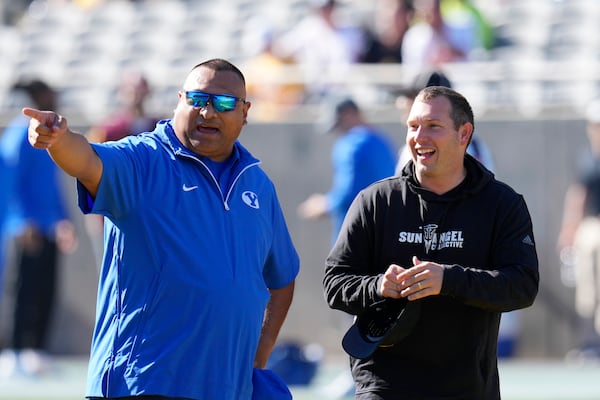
247 106
465 132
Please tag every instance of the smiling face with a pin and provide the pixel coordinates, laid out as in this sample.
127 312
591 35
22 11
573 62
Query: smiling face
437 146
204 130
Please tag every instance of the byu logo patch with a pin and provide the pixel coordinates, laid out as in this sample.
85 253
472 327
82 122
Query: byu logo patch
250 198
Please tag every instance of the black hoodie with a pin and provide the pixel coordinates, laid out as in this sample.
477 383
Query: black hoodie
482 231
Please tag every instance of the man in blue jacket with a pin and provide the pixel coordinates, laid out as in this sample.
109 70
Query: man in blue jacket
360 156
199 268
429 261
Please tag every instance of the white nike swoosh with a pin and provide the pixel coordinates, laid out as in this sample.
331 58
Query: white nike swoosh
187 188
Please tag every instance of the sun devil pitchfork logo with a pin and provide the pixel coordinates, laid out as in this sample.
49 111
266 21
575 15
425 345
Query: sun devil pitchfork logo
430 237
251 199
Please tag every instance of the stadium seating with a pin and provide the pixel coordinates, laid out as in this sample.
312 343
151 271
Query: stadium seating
82 50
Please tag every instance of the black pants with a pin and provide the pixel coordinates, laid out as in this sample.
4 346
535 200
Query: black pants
35 293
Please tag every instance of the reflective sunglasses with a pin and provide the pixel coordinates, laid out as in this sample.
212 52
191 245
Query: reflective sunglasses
220 102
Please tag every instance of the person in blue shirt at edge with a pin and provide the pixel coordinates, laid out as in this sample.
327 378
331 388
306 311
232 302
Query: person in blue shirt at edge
360 156
199 267
4 178
39 228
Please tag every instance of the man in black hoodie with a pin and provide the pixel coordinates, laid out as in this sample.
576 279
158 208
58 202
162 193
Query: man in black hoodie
445 240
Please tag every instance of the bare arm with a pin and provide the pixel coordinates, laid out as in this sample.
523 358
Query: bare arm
275 314
314 207
69 150
573 214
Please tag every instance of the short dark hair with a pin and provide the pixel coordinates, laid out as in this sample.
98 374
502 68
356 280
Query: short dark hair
461 111
33 87
219 64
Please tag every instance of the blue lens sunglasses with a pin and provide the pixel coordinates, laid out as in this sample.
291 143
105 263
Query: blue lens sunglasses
220 102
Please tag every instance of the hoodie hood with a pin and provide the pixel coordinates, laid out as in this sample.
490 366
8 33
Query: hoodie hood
476 179
433 208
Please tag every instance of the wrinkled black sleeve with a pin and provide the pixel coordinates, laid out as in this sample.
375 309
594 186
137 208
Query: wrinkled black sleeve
511 280
354 266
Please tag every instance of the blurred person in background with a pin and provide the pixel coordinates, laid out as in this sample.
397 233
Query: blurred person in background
39 227
383 41
4 195
270 85
466 15
360 156
130 118
12 11
431 40
323 44
579 237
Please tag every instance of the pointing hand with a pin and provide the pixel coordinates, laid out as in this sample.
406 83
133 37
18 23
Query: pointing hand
45 127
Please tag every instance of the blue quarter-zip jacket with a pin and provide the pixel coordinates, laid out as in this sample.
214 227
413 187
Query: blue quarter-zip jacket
186 271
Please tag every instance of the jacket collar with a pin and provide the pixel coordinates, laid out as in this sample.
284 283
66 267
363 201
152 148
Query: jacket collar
165 132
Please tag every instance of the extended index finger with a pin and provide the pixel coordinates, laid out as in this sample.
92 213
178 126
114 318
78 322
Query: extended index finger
46 118
32 113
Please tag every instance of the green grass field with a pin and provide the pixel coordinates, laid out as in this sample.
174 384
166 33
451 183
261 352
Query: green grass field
520 380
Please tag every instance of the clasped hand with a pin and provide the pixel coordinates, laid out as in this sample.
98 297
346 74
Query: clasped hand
423 279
